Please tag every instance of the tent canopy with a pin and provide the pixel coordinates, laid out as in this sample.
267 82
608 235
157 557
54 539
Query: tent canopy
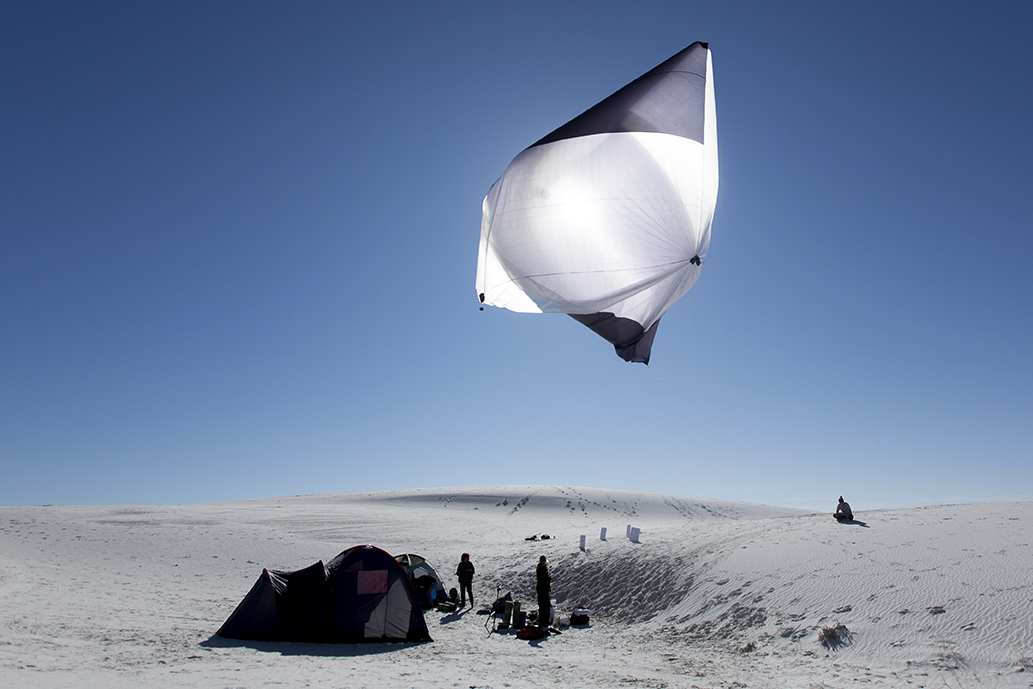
429 587
361 595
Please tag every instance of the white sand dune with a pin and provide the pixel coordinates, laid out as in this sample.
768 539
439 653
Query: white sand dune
716 594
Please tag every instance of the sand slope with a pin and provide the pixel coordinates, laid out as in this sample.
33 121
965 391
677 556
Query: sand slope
717 594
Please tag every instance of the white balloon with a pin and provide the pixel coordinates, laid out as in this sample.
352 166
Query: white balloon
608 218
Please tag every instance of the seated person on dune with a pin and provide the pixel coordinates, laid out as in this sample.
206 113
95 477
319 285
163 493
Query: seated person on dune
843 513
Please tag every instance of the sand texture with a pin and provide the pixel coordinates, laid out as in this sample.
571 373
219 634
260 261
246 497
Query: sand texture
715 594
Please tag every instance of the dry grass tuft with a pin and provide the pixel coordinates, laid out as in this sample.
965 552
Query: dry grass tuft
833 636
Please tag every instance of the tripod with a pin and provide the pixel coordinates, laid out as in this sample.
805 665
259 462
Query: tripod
493 618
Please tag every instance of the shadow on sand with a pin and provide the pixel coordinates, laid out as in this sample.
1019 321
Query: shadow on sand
454 616
292 648
855 522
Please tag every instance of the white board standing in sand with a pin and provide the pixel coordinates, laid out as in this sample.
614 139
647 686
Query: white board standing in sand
931 596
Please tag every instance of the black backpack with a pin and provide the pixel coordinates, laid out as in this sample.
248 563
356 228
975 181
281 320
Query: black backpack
499 606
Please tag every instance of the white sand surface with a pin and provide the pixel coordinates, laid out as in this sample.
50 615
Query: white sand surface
716 594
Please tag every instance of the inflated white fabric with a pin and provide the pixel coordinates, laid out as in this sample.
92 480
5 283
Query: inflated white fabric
606 223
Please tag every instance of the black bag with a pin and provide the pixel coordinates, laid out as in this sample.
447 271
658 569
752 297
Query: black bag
499 606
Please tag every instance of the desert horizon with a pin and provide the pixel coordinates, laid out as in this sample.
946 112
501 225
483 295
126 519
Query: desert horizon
715 593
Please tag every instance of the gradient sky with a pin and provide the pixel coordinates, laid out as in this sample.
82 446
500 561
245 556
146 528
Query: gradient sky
238 243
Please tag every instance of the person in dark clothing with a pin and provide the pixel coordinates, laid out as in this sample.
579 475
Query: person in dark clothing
843 513
544 588
465 573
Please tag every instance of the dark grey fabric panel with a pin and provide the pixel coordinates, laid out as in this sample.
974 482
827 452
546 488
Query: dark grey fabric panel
283 606
639 351
628 338
350 610
255 617
303 605
668 99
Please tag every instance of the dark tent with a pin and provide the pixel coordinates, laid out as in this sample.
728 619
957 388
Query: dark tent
428 584
283 606
361 595
372 598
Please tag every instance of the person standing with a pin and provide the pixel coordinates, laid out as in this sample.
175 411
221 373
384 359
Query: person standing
544 588
465 573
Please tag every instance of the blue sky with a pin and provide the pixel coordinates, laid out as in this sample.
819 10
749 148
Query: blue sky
238 244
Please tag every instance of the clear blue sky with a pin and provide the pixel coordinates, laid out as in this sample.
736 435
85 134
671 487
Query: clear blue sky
238 243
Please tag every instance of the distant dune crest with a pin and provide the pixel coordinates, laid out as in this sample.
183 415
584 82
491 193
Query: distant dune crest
738 592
